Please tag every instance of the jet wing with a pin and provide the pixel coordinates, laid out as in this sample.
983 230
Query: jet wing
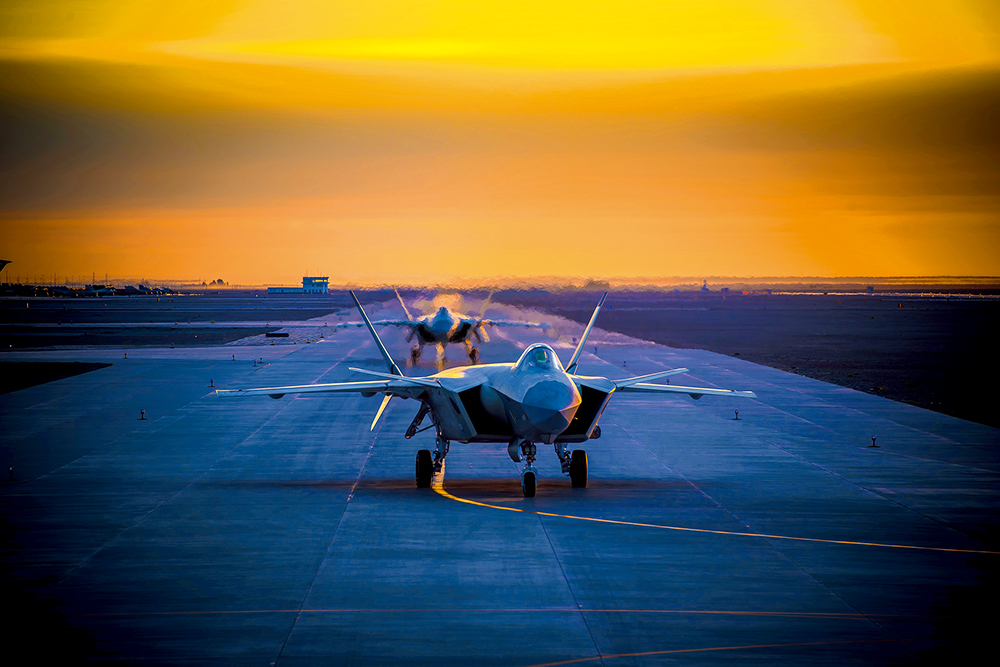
398 386
693 392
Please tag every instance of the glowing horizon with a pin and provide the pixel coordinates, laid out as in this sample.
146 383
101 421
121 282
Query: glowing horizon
447 142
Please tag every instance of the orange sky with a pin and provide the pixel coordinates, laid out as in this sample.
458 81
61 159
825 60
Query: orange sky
424 142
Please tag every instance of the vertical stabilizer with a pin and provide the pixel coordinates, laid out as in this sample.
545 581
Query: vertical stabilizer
393 368
575 359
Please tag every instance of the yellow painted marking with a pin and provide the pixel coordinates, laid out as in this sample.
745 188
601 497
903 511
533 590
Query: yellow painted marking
438 485
713 648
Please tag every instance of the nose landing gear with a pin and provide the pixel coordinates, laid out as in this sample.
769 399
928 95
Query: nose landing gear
521 450
529 482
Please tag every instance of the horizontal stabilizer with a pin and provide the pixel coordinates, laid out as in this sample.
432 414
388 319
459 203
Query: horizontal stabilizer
399 386
652 376
693 392
426 382
508 323
379 323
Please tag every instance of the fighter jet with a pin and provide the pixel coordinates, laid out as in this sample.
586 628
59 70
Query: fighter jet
443 327
534 400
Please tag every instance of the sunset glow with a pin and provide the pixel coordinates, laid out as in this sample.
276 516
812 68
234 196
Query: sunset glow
399 142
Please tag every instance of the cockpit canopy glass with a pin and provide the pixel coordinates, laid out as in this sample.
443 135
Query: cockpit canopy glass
540 356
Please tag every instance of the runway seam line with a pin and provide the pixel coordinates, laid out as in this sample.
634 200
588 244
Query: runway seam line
569 585
174 495
329 545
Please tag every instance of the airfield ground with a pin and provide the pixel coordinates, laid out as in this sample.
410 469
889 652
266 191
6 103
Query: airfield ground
259 531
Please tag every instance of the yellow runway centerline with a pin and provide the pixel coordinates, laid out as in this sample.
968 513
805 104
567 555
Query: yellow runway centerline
438 485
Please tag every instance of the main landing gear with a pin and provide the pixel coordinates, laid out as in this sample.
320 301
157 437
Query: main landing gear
425 469
428 465
472 352
574 465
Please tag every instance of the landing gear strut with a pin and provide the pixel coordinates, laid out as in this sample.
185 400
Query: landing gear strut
440 451
473 352
529 476
428 465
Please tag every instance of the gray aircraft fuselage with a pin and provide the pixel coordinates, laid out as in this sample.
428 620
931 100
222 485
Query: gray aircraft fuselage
443 327
533 399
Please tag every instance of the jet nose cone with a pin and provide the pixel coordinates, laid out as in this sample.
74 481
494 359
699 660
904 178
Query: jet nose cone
550 407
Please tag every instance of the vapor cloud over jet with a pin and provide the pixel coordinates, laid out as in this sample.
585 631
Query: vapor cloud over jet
445 326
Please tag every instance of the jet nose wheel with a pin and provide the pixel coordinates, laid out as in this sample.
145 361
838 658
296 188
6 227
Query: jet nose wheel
529 482
578 469
425 469
474 355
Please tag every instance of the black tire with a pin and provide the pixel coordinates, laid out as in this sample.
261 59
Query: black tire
528 484
474 355
578 469
425 469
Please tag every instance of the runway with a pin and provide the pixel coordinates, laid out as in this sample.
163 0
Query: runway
282 532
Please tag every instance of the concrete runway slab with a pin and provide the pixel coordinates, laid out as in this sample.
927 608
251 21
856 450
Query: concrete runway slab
259 531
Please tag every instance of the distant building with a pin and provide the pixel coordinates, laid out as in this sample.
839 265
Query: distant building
310 285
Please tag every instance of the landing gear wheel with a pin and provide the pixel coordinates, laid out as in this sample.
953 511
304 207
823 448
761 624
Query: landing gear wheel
474 355
528 483
425 469
578 469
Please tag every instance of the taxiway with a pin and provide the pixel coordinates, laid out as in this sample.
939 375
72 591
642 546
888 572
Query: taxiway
261 531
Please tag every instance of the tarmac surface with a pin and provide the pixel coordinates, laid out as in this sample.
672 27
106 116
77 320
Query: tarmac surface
259 532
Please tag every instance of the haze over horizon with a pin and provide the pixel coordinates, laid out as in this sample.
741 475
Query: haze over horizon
442 142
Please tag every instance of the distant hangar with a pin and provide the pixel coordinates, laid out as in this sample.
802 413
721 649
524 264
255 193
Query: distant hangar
310 285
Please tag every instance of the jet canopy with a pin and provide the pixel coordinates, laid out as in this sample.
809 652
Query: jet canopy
541 357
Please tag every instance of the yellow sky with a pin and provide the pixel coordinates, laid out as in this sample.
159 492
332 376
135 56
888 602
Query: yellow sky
436 141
